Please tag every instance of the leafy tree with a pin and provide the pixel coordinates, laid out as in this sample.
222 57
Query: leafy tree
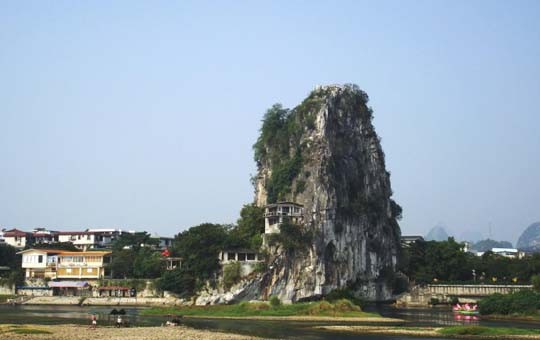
272 130
231 274
148 264
55 245
179 281
535 280
134 241
122 263
199 247
444 261
292 237
249 229
8 256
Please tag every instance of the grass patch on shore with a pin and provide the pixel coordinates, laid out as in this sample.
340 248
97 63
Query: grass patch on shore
19 329
339 308
29 331
479 330
5 297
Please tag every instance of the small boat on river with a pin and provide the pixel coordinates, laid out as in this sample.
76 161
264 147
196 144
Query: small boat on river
466 309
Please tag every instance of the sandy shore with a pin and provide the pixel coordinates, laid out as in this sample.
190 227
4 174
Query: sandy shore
428 332
70 332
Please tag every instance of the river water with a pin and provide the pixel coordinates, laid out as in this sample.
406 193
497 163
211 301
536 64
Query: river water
271 329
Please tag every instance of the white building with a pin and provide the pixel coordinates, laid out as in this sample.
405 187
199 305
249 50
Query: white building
17 238
506 252
247 259
39 263
81 239
276 214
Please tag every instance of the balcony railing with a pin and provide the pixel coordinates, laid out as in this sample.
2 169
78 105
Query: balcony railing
280 213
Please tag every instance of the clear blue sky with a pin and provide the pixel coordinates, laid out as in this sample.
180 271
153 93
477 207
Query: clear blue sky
142 115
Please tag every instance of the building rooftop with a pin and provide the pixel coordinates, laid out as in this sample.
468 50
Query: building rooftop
66 252
15 232
283 203
103 253
505 250
47 251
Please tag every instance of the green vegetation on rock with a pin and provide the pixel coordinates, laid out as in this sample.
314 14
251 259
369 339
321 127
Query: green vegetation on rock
292 237
279 144
231 274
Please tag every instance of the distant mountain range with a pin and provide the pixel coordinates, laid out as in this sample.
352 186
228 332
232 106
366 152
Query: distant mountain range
530 238
437 233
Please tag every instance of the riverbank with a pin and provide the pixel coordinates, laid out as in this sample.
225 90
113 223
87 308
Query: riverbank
340 310
103 301
456 332
69 332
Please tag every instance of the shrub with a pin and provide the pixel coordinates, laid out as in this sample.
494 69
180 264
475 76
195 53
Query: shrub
260 267
535 281
522 302
294 237
454 300
259 306
344 305
231 274
320 308
275 301
341 294
337 307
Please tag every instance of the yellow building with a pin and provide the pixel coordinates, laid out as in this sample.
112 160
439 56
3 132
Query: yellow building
89 265
61 264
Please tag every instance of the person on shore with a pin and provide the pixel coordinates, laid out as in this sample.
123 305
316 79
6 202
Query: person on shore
93 324
119 321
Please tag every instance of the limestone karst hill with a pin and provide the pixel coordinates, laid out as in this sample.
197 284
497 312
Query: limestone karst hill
530 238
338 226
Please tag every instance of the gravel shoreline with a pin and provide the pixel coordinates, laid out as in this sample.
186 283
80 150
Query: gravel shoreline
80 332
427 332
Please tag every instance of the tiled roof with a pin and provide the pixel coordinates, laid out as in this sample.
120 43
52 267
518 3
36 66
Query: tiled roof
15 232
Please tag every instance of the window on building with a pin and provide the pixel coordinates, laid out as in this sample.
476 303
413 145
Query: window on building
230 256
89 270
251 257
68 270
241 256
40 258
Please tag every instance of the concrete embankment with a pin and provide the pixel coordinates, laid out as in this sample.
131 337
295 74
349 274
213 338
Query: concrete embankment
104 301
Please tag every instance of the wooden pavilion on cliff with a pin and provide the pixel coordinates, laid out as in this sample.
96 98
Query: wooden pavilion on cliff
277 213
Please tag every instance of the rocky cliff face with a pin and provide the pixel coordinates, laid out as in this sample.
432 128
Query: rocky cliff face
330 160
